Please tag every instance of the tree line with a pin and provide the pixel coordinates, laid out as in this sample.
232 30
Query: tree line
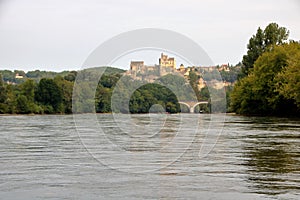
55 95
48 96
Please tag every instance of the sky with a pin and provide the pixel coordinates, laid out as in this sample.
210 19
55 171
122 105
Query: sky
57 35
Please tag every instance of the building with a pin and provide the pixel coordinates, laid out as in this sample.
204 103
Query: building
136 65
140 71
18 76
181 68
201 83
224 67
165 61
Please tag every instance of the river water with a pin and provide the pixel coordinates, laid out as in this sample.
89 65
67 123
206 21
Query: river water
163 156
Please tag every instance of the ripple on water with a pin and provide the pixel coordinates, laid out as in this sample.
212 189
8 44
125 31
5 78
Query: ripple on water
254 158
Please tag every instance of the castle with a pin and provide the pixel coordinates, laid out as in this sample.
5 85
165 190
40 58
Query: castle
164 63
140 71
167 65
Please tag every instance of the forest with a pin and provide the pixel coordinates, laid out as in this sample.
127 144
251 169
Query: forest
40 95
41 92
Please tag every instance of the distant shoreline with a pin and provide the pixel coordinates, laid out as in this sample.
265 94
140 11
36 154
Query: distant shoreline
229 114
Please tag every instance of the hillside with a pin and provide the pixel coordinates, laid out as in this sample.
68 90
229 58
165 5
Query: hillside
19 76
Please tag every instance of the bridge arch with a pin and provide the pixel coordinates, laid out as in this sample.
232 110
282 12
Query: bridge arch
198 103
186 104
192 104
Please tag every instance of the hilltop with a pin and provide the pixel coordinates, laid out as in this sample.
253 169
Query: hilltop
20 76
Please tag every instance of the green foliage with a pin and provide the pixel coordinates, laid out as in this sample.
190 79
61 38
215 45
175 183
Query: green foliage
193 78
179 87
204 93
37 75
28 88
89 96
48 93
3 96
272 88
288 80
150 94
11 103
51 92
2 90
231 75
109 81
112 71
22 105
49 96
66 88
103 99
262 41
229 90
71 76
7 75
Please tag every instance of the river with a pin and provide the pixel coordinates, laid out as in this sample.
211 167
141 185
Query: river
188 156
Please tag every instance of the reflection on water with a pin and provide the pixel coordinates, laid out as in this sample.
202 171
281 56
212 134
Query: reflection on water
273 164
272 151
43 157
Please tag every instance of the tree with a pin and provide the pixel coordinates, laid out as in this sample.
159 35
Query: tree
66 88
71 76
103 99
242 99
3 96
23 105
193 78
275 35
149 95
50 95
288 81
11 99
262 41
28 89
204 93
7 75
272 88
27 96
2 90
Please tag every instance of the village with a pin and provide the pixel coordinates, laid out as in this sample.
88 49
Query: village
167 65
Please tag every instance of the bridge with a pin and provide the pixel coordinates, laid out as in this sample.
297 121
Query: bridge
192 104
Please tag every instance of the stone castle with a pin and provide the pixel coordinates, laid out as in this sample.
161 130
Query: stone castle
165 61
167 65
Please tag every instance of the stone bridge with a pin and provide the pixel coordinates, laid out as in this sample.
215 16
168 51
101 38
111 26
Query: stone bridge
192 104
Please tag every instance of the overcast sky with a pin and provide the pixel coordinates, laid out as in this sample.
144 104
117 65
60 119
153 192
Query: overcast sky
60 34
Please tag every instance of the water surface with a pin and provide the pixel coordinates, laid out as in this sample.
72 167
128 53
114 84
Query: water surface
52 157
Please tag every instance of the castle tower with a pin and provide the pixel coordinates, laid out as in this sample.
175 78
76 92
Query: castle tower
181 68
165 61
136 67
